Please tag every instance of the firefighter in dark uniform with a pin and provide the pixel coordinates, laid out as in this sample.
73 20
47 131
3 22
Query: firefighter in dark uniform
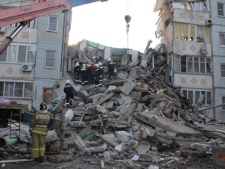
101 72
91 71
39 131
111 68
77 71
97 74
84 74
69 91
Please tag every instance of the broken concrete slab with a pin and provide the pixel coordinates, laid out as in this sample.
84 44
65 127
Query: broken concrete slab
128 87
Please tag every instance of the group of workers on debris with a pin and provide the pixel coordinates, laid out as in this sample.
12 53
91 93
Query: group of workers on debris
94 73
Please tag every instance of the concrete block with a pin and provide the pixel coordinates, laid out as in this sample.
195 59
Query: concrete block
128 87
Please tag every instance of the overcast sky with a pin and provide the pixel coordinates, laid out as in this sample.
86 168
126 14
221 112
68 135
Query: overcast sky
104 23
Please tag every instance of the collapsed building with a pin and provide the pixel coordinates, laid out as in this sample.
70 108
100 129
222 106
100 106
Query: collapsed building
139 119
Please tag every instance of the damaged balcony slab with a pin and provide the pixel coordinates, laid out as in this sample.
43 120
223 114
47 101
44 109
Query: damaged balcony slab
166 124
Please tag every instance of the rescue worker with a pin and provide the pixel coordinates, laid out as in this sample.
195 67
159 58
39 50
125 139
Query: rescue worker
39 131
69 91
101 72
97 74
84 74
91 71
111 68
77 71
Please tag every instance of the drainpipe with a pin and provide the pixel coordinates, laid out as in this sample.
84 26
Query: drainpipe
7 141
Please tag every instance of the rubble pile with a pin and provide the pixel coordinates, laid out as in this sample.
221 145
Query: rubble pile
136 120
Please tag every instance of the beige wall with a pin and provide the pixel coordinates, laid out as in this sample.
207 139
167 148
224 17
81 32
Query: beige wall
12 70
193 81
182 47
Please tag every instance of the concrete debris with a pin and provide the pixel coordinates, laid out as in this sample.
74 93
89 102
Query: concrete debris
133 120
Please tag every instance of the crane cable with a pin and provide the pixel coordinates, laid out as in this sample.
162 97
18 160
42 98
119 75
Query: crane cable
127 19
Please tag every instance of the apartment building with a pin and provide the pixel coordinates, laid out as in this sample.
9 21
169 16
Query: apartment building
186 27
35 60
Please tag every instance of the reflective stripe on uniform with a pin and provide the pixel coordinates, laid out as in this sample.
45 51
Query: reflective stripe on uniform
42 116
37 149
39 132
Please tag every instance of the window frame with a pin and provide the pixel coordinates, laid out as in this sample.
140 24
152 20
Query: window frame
17 46
184 63
223 45
205 100
50 67
223 4
56 24
14 89
222 64
223 102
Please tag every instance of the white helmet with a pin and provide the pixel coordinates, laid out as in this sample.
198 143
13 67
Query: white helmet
96 65
109 59
67 81
100 63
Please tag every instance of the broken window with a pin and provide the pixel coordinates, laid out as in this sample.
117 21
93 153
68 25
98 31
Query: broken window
223 102
220 8
192 32
192 64
197 6
184 30
50 58
194 94
177 31
222 67
196 65
222 38
52 23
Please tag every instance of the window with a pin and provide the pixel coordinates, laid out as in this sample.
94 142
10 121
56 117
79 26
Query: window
192 32
220 8
222 38
194 6
223 102
192 64
19 54
52 23
16 89
222 67
194 94
50 58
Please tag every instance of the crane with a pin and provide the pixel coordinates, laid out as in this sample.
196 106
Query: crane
25 14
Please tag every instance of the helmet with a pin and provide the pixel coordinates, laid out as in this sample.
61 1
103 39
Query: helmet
109 59
77 64
83 66
96 65
43 106
67 81
100 63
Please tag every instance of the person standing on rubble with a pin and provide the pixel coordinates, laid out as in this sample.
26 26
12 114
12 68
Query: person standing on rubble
38 131
77 71
69 91
111 68
84 74
97 74
101 72
91 70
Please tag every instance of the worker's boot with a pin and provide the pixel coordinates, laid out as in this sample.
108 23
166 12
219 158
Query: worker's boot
41 159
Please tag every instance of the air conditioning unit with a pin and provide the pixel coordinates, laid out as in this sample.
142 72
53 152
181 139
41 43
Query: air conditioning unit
3 29
27 67
208 22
